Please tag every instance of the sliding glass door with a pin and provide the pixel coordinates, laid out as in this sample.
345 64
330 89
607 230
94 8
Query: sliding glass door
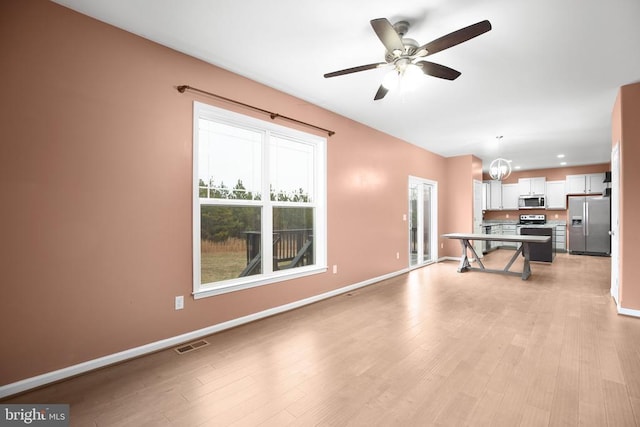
422 221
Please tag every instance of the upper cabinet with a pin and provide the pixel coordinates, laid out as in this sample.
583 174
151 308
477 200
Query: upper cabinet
495 195
510 196
532 186
595 183
556 195
590 183
486 195
499 196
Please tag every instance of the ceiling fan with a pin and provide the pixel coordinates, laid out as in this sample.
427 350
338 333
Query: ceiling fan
404 54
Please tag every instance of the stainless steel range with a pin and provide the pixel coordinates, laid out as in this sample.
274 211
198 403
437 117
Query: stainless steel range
535 225
539 219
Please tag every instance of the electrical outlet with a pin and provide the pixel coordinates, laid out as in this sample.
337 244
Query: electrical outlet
404 217
335 269
441 245
397 255
179 302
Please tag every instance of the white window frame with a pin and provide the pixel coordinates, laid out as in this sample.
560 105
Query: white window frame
201 110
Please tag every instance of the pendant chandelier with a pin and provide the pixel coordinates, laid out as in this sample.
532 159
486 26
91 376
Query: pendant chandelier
500 168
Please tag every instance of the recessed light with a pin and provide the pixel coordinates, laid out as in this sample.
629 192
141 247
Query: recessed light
563 163
561 156
516 167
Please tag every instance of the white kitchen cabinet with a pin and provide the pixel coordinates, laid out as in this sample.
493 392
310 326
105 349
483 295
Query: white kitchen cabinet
495 195
486 195
495 229
575 184
532 186
510 196
595 183
591 183
556 195
509 229
561 238
492 229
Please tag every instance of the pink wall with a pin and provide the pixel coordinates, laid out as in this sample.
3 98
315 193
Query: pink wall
626 129
456 213
95 176
477 168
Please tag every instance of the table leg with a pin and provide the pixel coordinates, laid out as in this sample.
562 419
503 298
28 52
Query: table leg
464 259
475 255
526 269
513 259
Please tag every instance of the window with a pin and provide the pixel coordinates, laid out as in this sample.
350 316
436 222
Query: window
259 202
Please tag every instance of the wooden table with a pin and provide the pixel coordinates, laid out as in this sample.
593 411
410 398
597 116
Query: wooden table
465 265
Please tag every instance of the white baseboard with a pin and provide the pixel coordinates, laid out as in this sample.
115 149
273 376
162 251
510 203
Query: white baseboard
449 258
628 312
90 365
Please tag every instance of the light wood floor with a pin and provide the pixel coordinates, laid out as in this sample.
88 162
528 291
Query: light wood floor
433 347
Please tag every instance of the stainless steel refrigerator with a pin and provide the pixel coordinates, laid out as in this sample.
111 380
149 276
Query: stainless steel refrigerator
589 225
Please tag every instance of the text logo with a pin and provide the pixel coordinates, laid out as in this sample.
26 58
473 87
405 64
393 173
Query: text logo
40 415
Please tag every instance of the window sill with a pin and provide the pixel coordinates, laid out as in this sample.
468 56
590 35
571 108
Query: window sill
280 277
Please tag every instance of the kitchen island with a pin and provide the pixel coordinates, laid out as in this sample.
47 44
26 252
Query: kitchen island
523 249
541 252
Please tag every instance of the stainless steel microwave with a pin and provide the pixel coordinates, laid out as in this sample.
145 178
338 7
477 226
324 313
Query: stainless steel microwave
531 202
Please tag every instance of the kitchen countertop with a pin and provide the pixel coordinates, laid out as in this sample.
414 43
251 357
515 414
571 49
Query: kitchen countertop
552 223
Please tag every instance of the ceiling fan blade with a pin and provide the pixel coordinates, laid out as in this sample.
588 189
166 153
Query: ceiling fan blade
388 35
382 91
457 37
437 70
355 69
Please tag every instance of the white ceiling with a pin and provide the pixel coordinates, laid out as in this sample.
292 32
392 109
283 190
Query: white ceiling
545 77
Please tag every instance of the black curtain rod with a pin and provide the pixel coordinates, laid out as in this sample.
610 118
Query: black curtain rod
273 115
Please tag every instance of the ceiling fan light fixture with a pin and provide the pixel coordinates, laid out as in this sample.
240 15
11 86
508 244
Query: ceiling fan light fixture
412 75
401 52
391 80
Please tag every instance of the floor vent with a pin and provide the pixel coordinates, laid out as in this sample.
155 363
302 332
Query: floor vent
191 346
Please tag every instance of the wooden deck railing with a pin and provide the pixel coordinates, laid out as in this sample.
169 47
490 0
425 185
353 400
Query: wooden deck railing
291 248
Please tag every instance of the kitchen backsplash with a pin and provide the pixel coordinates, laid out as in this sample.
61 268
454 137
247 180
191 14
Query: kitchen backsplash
552 215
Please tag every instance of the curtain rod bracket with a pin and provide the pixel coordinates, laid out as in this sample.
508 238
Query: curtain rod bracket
183 88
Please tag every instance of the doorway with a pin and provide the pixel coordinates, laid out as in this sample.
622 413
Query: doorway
423 224
615 224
